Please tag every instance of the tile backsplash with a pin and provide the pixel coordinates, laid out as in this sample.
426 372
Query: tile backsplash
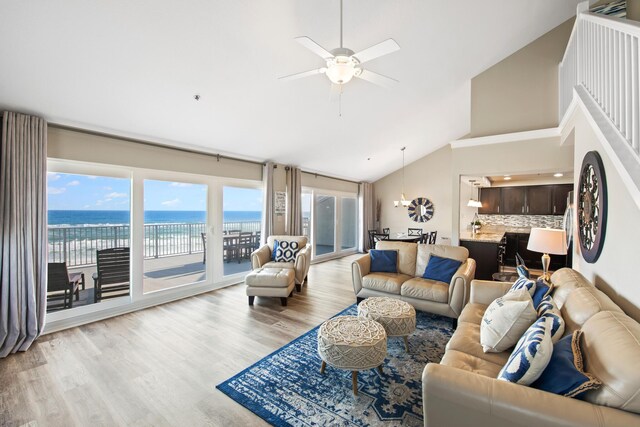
551 221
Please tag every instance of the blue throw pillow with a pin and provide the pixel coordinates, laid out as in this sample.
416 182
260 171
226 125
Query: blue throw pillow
275 250
542 290
441 269
564 374
524 283
384 261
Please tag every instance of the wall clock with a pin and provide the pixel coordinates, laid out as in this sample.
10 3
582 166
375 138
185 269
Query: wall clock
592 206
421 209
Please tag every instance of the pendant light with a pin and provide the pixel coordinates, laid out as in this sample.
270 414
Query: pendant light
403 201
473 203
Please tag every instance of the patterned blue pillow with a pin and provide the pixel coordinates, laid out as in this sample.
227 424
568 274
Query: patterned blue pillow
564 374
530 356
275 249
285 251
521 269
542 290
523 283
548 308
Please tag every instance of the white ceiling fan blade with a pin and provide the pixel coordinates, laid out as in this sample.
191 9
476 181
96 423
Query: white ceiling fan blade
314 47
303 74
384 48
376 78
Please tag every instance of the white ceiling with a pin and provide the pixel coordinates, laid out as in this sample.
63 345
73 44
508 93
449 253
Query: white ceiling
132 68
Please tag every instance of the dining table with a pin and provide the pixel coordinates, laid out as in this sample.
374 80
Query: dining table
404 238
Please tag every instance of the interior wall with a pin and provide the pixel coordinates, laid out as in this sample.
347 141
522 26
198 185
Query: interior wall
520 157
427 177
615 271
521 92
322 182
467 213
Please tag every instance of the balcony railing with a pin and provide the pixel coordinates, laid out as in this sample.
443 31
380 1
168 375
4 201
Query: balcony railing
77 245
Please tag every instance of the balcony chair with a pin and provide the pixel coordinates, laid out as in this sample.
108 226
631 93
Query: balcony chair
112 276
61 286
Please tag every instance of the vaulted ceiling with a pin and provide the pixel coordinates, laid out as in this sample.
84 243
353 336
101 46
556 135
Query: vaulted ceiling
132 68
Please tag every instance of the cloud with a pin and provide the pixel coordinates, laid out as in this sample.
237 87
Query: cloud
180 184
91 176
115 195
52 176
107 188
56 190
73 183
170 202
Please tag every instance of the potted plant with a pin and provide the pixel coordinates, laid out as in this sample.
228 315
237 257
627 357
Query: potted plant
476 225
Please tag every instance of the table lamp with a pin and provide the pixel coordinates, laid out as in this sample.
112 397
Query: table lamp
547 241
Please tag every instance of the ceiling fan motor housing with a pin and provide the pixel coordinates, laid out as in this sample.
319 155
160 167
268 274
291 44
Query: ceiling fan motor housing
343 66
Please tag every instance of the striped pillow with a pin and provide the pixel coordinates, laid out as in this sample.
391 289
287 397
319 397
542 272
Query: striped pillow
524 283
549 309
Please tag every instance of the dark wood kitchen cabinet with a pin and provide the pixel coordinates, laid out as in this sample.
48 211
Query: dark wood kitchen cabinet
517 243
539 200
490 199
560 194
512 200
486 256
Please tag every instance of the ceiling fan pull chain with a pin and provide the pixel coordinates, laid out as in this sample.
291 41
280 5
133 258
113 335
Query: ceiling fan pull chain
340 102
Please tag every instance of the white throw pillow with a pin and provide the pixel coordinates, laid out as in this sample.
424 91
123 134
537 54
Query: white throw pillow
505 320
531 355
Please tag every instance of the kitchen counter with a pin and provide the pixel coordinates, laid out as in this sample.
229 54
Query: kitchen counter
485 237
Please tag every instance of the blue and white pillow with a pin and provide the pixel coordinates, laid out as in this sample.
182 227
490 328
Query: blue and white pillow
524 283
565 375
285 251
542 290
549 309
531 354
522 269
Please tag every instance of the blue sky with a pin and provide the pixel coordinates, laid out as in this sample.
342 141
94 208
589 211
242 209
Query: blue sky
85 192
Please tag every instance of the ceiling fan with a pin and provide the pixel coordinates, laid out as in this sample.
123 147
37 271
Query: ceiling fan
342 64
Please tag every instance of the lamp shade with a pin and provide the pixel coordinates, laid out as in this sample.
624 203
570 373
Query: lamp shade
548 241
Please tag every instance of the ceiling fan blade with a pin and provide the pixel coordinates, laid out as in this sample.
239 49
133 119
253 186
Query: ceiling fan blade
303 74
376 78
314 47
375 51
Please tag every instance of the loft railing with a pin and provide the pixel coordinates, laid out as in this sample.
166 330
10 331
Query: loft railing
603 56
77 245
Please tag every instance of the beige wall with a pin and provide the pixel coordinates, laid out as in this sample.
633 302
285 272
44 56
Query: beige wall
427 177
315 181
521 92
616 270
633 10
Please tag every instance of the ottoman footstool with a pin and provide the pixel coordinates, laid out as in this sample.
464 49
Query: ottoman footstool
270 282
398 318
352 343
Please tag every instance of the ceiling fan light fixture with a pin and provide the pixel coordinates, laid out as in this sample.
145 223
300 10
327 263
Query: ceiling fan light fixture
341 69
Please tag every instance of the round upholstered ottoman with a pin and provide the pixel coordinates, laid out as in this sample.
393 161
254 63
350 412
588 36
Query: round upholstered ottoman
397 317
352 343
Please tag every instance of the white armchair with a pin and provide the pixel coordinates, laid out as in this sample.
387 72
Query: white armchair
262 257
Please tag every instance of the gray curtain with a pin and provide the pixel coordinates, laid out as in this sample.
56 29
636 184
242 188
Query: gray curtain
267 217
367 211
294 202
23 231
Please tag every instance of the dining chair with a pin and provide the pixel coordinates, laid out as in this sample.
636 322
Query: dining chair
429 238
378 237
415 231
386 231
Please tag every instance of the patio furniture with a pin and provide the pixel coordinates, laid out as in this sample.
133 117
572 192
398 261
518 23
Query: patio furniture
352 343
245 245
415 232
231 247
112 276
61 286
270 282
398 318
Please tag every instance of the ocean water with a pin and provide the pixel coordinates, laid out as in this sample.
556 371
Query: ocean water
86 217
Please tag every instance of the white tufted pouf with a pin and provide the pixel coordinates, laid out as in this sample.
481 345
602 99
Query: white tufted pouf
352 343
397 317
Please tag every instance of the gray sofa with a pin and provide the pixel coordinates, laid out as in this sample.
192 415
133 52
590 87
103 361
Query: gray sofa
463 390
446 299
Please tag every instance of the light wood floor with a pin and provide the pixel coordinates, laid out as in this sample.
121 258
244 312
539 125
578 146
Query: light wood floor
160 366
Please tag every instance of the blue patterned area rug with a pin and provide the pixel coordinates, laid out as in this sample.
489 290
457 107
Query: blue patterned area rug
287 389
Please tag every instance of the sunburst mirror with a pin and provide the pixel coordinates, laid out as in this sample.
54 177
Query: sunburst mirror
421 209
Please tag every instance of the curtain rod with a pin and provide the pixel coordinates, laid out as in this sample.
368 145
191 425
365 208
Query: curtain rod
331 177
154 144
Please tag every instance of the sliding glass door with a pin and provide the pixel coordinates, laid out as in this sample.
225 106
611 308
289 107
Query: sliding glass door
241 227
330 219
